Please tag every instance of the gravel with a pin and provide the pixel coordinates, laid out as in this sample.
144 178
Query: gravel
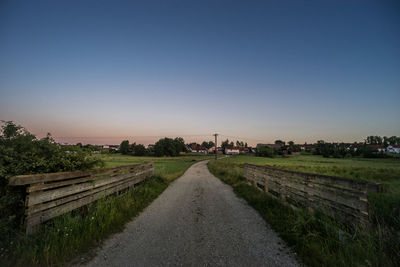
196 221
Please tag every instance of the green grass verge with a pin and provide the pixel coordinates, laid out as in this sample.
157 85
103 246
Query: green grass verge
64 238
317 239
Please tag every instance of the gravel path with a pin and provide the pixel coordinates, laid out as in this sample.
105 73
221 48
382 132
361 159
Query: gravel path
196 221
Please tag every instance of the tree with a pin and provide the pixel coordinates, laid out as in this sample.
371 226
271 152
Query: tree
179 144
139 150
169 147
224 144
207 145
124 147
293 147
279 142
265 151
240 143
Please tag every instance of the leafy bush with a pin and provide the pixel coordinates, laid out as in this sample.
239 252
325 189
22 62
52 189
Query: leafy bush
265 151
22 153
169 147
139 150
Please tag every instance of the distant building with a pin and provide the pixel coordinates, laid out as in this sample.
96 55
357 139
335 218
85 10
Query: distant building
307 147
198 149
110 147
395 149
380 148
233 150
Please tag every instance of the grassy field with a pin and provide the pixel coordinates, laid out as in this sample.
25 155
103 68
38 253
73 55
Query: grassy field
375 170
77 232
166 167
316 238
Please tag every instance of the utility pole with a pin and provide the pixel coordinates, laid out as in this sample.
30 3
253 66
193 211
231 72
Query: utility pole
215 151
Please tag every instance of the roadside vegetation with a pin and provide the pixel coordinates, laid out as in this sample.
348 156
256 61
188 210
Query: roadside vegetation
65 237
318 239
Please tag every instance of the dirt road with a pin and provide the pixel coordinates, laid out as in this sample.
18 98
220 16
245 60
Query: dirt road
196 221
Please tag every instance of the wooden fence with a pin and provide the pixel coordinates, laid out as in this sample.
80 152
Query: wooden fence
52 194
341 198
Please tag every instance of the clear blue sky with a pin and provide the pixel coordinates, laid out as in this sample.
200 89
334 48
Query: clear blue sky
101 71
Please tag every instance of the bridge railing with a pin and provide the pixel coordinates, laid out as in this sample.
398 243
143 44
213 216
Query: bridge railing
52 194
342 198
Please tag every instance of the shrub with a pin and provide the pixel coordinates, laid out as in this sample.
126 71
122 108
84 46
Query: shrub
265 151
22 153
139 150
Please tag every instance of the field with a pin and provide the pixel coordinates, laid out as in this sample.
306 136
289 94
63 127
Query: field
76 233
166 167
316 238
385 171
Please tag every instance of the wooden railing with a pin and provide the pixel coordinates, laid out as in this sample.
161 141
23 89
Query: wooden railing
52 194
341 198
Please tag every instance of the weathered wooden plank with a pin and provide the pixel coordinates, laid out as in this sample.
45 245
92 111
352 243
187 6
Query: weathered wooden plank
331 208
351 183
45 177
40 197
39 207
33 188
330 193
345 204
46 215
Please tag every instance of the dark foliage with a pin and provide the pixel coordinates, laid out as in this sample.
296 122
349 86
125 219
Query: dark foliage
124 148
139 150
169 147
22 153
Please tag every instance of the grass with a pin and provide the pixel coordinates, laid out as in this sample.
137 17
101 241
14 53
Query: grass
167 168
317 239
78 232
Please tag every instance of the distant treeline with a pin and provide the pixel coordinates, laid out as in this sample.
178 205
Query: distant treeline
163 147
170 147
372 147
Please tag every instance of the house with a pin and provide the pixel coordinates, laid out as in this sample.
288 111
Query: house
307 147
380 148
232 150
110 147
395 149
356 146
198 149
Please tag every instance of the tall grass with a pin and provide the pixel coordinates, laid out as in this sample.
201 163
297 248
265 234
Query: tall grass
77 232
317 239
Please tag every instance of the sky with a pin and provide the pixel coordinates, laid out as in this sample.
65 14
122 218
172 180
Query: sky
103 71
